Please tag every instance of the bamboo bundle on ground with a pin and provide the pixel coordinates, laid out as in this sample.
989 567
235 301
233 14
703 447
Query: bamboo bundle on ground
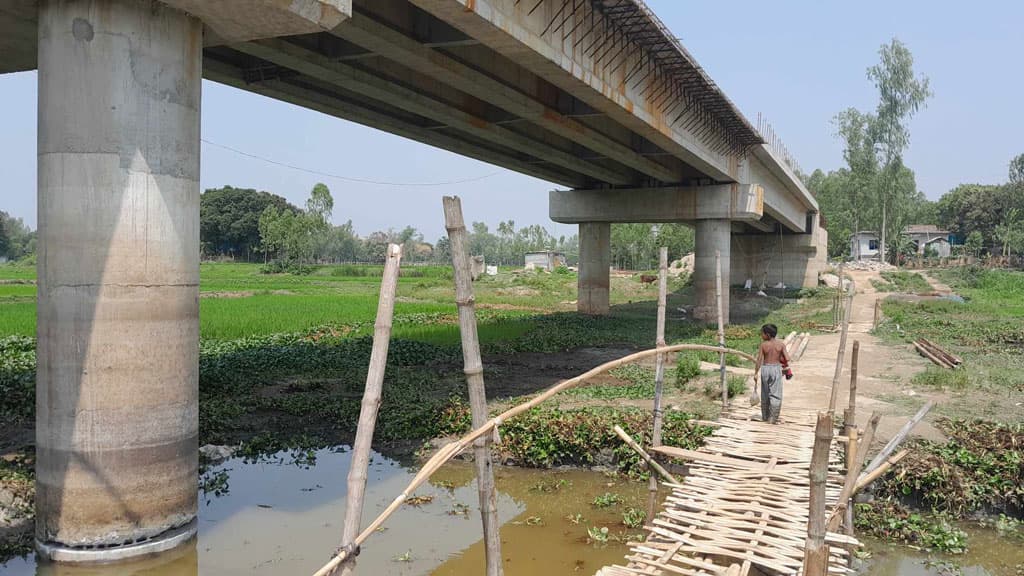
937 355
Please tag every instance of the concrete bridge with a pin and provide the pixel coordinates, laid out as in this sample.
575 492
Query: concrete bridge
596 96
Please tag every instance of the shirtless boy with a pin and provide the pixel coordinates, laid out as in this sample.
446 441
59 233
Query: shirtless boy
771 357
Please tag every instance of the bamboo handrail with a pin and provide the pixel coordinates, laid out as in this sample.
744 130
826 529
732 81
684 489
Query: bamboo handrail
452 449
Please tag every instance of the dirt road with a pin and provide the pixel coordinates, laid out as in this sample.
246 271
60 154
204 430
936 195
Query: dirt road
884 372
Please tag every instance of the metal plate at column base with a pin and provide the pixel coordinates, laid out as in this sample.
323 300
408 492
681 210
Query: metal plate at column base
79 555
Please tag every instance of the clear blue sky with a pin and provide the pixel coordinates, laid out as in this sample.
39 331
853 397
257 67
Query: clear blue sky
798 62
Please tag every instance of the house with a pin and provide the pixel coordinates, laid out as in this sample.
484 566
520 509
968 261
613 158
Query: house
864 245
922 235
929 235
546 260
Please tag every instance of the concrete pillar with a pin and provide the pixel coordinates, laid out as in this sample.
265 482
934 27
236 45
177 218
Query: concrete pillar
118 326
711 235
595 260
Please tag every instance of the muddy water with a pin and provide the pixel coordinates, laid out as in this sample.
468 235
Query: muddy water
279 518
988 555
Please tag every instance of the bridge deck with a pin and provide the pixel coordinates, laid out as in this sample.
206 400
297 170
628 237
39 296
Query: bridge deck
743 508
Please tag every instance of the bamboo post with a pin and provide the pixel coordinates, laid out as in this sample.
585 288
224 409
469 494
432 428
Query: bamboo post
475 379
646 457
878 313
882 469
371 402
850 415
816 551
453 449
721 328
853 471
659 376
898 438
842 347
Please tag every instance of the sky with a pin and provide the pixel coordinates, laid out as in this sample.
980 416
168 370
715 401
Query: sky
798 62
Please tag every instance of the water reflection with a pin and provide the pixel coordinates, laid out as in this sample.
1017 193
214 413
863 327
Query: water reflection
284 519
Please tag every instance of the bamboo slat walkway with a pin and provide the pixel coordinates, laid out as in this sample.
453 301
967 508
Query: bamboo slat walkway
743 507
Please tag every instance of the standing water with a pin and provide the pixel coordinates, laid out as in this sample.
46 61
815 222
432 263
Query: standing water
281 518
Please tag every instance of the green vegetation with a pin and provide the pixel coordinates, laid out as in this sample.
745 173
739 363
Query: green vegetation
987 330
607 500
687 368
901 281
633 517
980 469
893 522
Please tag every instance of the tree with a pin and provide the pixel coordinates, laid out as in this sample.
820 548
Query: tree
229 219
1011 233
901 95
16 239
1017 171
974 243
855 129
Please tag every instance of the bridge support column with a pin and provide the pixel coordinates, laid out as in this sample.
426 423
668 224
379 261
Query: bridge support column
595 260
711 236
118 269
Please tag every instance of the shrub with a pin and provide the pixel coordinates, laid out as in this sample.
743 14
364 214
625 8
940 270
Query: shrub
687 368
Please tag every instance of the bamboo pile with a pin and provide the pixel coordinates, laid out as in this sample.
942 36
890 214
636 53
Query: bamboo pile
937 355
744 507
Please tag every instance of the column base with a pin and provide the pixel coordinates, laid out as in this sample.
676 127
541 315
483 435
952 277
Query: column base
168 540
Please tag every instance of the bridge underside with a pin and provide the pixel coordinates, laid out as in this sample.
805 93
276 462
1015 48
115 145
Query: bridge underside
592 95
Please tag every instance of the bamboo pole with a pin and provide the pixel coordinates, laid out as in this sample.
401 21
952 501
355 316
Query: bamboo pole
475 379
853 469
453 449
898 438
852 449
882 469
646 457
878 313
850 415
659 376
842 346
371 403
816 551
721 327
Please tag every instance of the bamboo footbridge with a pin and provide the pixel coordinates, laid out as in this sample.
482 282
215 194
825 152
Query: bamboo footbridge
743 507
758 498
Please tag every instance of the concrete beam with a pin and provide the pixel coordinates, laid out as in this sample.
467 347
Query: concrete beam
240 20
521 35
393 45
783 201
669 204
353 79
315 100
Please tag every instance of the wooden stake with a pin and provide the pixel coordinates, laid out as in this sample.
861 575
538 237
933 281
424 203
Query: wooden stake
850 415
721 327
659 376
842 346
371 402
816 551
646 457
853 472
475 379
898 438
878 313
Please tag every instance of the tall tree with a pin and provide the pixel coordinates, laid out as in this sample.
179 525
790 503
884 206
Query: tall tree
855 129
901 95
1017 171
229 219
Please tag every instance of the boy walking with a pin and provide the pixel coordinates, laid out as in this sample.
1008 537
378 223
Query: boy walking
771 358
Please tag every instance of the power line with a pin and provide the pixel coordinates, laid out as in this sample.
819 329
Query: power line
348 178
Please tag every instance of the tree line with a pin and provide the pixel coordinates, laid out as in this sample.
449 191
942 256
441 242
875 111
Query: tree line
257 226
17 241
876 191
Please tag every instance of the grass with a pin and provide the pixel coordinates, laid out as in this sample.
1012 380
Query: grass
902 281
987 329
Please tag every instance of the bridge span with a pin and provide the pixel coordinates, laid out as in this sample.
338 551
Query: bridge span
594 96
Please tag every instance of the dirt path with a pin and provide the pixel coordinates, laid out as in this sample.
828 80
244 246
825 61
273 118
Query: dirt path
884 372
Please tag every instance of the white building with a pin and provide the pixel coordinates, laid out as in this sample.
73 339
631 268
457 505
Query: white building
547 260
864 245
